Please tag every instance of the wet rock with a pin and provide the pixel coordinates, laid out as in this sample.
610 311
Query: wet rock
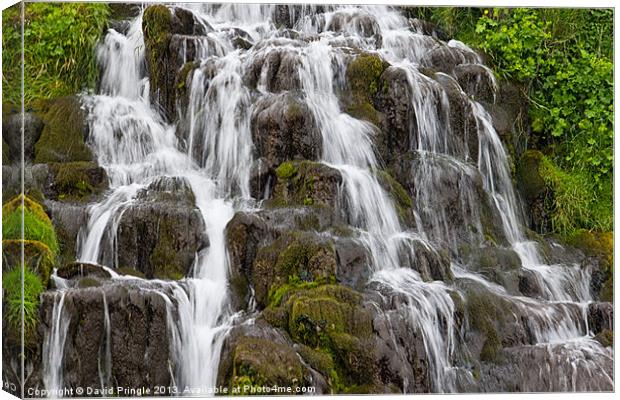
262 179
160 234
529 284
477 81
394 102
163 60
64 123
535 191
352 260
258 354
297 257
463 125
244 234
360 23
12 135
275 70
306 183
79 270
427 28
600 317
605 338
444 58
75 181
35 180
362 86
68 220
283 128
543 368
138 352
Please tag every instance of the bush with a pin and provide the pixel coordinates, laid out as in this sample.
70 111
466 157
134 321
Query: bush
37 225
59 40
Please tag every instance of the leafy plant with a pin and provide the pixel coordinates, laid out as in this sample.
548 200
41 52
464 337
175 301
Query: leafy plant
59 40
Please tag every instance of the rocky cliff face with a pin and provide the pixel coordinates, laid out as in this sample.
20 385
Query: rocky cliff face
448 302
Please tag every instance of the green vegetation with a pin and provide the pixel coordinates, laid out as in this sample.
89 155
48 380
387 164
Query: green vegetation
563 61
59 40
33 287
363 75
37 225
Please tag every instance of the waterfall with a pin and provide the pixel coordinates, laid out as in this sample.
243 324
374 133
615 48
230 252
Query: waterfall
210 147
53 347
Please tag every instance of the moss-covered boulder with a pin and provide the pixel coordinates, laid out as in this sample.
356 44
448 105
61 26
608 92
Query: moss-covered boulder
293 258
160 24
363 83
259 362
283 128
599 246
76 181
334 328
306 183
158 27
64 132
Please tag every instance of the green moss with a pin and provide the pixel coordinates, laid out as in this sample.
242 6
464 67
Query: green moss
62 138
32 288
286 170
164 259
38 258
606 338
601 246
305 183
401 198
363 73
484 312
363 76
260 362
492 347
88 282
77 180
158 26
37 225
295 259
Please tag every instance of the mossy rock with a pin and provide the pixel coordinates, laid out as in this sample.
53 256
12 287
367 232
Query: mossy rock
306 183
402 200
38 258
605 338
64 132
296 257
601 246
261 362
329 308
488 315
158 25
77 181
37 224
363 76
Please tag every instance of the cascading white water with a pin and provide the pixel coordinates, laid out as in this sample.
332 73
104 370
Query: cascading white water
53 347
135 146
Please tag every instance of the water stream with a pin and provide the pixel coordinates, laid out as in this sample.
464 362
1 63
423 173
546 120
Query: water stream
135 146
